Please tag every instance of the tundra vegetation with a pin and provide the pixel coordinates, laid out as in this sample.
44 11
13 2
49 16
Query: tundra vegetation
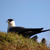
13 41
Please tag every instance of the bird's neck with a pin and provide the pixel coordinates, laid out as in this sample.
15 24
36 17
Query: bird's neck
9 26
13 25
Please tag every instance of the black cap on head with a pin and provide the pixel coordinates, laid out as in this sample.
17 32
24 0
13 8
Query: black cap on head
43 39
10 20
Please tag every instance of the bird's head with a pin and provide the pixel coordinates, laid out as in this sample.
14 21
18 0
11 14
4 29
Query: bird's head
10 22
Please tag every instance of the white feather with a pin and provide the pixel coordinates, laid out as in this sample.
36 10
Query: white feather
10 24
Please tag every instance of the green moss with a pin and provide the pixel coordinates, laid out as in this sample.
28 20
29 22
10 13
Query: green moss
13 41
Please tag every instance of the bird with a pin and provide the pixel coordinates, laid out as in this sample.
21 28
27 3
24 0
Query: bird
43 41
26 32
35 38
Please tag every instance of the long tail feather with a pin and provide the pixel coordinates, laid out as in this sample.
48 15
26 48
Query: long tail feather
45 30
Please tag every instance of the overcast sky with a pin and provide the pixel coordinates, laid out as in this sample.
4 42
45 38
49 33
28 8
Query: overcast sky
26 13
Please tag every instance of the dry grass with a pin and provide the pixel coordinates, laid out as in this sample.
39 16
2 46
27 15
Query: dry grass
13 41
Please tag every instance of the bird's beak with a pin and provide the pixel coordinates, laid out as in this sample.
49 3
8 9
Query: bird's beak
7 21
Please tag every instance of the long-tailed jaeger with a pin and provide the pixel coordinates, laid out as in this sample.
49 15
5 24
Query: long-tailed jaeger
24 31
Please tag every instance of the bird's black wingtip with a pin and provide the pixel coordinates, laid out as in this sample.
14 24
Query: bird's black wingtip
41 28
